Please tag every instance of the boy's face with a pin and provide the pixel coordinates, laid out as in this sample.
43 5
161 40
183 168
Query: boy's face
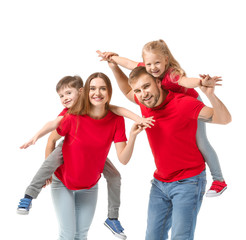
68 96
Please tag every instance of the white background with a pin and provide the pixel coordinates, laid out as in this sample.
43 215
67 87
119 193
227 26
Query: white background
43 41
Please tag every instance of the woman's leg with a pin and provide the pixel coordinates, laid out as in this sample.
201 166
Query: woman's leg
85 206
64 204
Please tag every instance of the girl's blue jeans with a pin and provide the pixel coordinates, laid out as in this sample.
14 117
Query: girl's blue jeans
175 205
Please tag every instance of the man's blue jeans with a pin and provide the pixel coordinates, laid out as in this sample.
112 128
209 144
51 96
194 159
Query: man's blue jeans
175 205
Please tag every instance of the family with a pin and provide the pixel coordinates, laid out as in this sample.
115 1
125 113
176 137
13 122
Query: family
174 118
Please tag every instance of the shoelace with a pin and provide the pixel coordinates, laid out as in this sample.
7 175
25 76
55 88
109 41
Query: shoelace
24 203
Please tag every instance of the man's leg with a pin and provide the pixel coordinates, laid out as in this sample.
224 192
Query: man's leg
187 195
159 212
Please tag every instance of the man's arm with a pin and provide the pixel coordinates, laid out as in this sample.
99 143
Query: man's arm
219 113
122 81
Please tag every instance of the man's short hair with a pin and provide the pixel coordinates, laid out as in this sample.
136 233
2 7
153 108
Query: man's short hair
136 73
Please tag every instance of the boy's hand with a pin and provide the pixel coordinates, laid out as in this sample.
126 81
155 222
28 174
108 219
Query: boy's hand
32 141
208 81
146 122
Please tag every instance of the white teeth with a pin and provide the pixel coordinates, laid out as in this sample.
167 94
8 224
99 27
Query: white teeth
146 99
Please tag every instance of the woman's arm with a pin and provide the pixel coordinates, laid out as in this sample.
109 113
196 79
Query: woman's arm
48 127
148 122
124 150
114 57
51 143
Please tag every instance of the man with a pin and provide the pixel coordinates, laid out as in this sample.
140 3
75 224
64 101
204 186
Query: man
179 180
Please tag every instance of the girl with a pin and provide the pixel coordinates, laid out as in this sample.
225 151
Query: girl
88 137
160 63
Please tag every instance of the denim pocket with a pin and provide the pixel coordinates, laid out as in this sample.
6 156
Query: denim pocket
188 181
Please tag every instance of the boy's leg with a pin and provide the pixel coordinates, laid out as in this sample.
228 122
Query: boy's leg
54 160
113 178
187 195
159 212
113 182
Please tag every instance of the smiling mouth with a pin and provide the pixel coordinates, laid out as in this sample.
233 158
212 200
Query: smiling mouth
97 98
147 99
155 72
67 102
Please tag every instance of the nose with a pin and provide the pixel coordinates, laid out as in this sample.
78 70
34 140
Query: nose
144 93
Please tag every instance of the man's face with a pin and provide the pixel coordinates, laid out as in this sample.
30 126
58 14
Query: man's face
147 90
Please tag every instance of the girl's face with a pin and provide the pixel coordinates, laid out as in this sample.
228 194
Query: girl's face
98 94
68 96
155 64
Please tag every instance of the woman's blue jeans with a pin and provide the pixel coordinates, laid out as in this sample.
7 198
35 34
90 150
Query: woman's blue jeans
175 205
74 209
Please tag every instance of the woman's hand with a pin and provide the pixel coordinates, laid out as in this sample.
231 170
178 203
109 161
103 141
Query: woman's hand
136 129
47 182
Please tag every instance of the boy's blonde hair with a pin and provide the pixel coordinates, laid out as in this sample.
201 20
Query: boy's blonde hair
160 47
70 81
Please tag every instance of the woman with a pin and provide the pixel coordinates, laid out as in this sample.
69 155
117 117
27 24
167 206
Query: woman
89 129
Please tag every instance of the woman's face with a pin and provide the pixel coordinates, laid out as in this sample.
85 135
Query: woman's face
98 94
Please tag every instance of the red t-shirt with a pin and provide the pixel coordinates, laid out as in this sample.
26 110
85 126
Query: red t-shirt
86 146
173 138
170 82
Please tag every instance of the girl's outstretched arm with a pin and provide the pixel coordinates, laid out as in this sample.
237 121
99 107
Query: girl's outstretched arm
114 57
198 82
147 122
48 127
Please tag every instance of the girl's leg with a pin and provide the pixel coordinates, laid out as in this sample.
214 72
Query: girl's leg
208 152
64 204
85 206
113 178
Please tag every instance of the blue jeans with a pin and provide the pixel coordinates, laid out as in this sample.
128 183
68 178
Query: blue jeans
74 209
175 205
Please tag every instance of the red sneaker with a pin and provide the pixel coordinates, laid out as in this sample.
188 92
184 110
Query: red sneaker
216 189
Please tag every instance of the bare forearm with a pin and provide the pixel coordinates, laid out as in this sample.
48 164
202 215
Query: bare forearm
189 82
121 79
125 62
221 115
126 154
125 113
51 144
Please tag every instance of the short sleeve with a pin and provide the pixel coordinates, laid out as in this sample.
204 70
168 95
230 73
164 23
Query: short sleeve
64 126
120 132
141 64
64 111
190 107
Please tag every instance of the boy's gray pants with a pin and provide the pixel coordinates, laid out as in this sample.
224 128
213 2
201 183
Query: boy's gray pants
55 159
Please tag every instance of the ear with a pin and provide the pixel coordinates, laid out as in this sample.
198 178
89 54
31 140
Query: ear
81 90
158 82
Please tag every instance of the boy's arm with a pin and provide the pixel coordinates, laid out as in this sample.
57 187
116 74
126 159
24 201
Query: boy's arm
115 58
219 113
129 114
51 143
48 127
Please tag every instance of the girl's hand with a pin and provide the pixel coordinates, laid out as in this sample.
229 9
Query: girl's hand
208 81
208 90
32 141
146 122
106 56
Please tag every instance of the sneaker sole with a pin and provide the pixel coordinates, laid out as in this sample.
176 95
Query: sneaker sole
216 194
116 234
21 212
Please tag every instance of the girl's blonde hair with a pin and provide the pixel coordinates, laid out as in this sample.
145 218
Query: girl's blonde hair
160 47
